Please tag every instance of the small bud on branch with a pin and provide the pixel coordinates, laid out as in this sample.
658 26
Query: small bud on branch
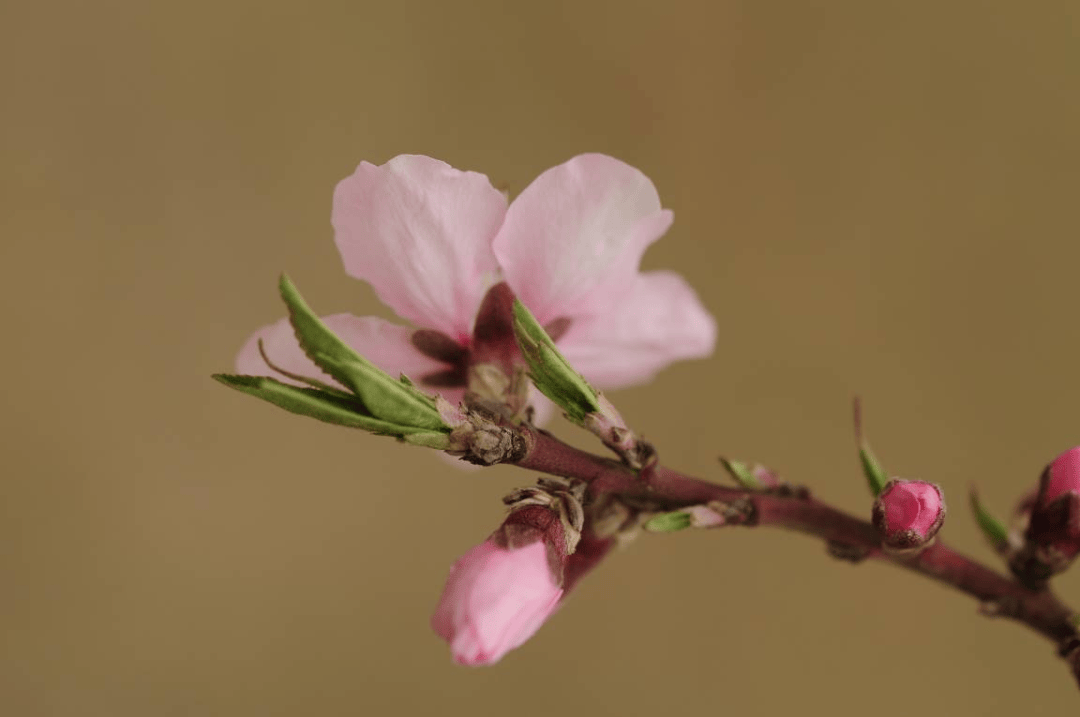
908 514
1052 538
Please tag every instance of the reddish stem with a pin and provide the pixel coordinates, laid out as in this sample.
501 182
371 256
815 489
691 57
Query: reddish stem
667 489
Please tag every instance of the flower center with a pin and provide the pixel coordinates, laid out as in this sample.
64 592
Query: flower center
492 342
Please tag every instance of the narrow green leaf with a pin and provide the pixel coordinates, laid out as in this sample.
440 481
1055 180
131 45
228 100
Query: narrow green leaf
550 371
742 474
994 530
876 477
668 522
385 397
314 403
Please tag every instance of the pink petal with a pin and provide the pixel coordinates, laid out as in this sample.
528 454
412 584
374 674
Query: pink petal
575 236
386 345
660 321
420 232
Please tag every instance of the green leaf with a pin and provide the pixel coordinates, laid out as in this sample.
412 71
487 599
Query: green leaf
742 474
668 522
384 397
550 371
314 403
876 477
994 530
438 441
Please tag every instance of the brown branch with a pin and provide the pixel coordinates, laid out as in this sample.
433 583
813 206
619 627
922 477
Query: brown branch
666 489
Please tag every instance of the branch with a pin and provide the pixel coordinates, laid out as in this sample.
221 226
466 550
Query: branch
667 489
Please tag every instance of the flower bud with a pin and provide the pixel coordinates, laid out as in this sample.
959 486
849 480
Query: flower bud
1052 537
500 592
1063 477
495 598
908 514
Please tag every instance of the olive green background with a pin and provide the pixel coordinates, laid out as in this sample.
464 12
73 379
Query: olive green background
874 198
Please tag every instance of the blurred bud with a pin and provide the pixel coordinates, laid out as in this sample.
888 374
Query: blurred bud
755 476
500 592
1052 538
751 477
669 522
693 516
908 514
1062 477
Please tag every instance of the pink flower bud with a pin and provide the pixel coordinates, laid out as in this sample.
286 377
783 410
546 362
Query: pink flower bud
908 513
1052 538
495 599
1063 476
766 477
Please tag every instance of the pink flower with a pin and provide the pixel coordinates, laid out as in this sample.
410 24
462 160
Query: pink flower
494 600
432 240
909 513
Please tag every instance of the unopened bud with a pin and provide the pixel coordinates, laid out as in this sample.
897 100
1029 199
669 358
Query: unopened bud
500 592
1063 477
1052 538
495 598
758 477
908 514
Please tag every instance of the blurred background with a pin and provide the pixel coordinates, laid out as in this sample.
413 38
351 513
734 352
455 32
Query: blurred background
873 198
